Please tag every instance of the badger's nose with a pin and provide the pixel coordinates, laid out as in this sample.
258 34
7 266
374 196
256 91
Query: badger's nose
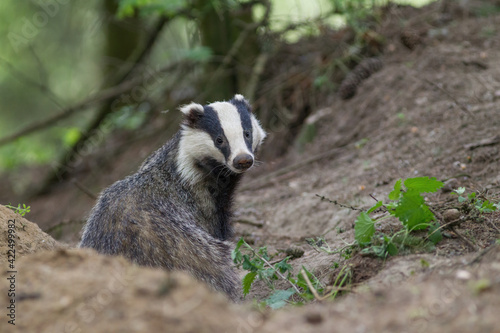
243 161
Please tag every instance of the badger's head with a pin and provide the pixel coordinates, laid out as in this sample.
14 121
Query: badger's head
224 134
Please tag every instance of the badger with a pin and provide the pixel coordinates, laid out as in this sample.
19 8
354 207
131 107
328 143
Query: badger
175 211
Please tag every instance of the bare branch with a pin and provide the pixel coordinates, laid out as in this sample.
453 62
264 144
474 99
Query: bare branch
96 99
23 78
450 95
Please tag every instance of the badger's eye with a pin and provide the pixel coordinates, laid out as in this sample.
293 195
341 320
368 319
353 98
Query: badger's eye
219 140
247 134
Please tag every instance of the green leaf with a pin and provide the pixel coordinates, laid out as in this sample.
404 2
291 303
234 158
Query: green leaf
239 244
472 196
250 265
461 199
236 255
263 253
391 249
394 195
377 205
435 235
364 228
283 266
376 250
423 184
71 136
247 282
278 298
488 207
267 274
413 212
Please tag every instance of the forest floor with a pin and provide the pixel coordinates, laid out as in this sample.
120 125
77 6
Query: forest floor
433 111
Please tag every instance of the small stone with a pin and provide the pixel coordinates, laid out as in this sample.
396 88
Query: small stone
463 275
451 215
314 318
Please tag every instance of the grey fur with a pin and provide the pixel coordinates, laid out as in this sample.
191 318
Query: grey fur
156 218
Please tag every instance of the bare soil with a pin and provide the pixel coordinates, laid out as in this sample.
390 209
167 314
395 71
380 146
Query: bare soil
433 111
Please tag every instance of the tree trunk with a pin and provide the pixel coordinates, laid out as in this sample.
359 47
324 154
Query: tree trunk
220 26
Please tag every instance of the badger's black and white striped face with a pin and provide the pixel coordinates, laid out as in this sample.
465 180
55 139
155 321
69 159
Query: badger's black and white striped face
226 132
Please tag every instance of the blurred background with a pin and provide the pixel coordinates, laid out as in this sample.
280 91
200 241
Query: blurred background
89 89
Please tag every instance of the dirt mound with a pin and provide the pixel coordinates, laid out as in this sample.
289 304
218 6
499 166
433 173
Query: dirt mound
113 295
28 237
81 291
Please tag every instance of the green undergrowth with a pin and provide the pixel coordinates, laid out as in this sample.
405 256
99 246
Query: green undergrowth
303 286
475 201
419 232
21 210
405 202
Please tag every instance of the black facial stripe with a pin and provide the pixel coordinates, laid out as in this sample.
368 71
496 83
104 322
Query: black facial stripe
246 121
210 123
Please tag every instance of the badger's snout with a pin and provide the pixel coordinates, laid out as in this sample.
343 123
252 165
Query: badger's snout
243 162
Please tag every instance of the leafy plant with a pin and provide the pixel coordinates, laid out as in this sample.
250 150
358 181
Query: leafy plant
408 205
305 285
472 199
20 210
320 245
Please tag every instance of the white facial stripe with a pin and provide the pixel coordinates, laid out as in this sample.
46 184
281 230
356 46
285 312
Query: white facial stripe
231 125
193 145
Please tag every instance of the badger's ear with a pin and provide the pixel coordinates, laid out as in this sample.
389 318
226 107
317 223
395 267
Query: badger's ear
192 114
240 99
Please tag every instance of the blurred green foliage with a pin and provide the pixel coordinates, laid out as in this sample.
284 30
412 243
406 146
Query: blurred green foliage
52 57
127 8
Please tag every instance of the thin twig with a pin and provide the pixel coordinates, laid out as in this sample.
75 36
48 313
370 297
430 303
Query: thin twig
484 252
20 76
309 284
274 262
335 202
252 223
42 73
464 239
493 225
63 223
84 189
447 93
483 143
